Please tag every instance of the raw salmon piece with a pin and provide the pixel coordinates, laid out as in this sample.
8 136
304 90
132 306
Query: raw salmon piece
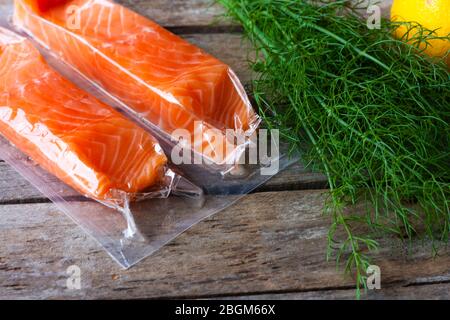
68 132
170 82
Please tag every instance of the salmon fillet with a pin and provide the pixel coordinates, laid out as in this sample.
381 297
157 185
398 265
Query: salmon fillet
168 81
85 143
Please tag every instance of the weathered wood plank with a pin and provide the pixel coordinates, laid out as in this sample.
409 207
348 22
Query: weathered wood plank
192 15
439 291
15 189
267 242
170 13
176 13
198 13
232 49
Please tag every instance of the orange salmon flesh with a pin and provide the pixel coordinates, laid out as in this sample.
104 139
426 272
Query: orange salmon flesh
163 78
85 143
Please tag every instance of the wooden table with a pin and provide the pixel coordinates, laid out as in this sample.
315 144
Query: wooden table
271 244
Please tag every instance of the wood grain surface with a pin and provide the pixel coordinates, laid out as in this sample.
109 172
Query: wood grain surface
267 243
271 244
188 16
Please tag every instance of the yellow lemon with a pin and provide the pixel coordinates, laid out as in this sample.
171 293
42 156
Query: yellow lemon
431 14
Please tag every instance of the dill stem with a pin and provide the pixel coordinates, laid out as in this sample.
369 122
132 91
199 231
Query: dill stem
374 120
342 41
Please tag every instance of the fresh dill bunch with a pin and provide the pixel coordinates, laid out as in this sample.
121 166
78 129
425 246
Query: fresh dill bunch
368 110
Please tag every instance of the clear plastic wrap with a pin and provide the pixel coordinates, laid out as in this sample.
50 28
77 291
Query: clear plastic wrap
84 142
89 146
197 190
166 82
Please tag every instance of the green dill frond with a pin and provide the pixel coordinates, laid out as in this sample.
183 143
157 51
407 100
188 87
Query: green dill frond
367 109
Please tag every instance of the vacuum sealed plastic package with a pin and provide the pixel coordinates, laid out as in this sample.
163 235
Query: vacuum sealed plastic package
85 143
92 125
168 83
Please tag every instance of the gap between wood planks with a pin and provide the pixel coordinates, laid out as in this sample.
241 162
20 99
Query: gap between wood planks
437 291
284 254
16 190
188 30
431 290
